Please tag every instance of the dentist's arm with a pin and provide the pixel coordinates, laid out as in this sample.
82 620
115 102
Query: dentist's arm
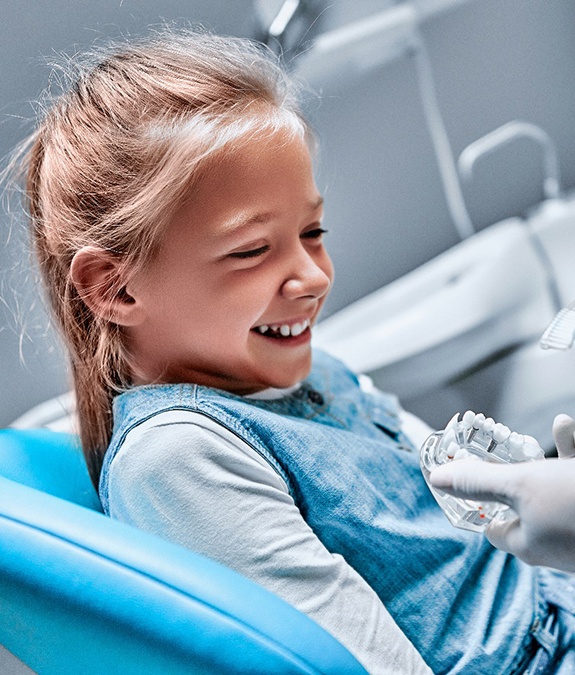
542 494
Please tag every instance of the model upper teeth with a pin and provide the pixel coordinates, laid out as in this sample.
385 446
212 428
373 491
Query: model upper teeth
284 329
480 432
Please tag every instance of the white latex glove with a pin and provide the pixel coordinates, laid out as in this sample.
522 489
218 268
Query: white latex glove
542 494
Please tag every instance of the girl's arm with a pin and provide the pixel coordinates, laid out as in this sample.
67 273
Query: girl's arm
190 480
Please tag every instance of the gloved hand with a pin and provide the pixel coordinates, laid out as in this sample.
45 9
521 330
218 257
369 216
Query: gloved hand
542 494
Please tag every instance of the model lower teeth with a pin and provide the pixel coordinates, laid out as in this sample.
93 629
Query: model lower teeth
480 438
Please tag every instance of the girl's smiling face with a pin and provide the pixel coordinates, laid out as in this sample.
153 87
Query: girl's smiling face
240 277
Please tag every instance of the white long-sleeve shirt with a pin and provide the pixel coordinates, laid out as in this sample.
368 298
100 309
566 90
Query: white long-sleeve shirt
185 477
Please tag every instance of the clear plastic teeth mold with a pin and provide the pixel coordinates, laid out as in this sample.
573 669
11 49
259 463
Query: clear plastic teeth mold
476 437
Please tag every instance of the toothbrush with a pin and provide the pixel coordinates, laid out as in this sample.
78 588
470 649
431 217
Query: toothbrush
561 331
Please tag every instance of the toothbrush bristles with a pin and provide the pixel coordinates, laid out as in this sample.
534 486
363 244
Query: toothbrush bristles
561 331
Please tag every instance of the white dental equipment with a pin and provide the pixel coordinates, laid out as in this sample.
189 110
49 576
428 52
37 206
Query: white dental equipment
478 437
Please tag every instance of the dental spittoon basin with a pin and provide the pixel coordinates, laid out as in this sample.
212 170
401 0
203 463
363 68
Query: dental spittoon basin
480 438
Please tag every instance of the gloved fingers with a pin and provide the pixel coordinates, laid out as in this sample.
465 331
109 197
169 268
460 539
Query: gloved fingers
564 435
477 480
507 535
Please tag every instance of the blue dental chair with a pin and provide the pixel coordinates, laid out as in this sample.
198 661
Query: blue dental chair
82 593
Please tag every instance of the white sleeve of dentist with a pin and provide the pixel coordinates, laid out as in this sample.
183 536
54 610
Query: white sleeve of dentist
542 494
190 480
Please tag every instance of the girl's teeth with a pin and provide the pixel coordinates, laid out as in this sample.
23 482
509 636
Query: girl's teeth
284 329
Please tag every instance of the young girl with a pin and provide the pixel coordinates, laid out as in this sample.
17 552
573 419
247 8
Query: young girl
178 230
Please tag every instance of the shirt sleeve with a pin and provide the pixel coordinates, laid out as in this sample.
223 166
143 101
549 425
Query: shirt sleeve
207 490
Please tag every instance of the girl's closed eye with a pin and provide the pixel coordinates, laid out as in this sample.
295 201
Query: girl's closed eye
315 233
252 253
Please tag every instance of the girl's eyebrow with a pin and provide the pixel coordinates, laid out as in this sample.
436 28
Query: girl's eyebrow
235 225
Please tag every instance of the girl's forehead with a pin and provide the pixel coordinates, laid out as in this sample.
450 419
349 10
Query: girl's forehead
253 184
248 166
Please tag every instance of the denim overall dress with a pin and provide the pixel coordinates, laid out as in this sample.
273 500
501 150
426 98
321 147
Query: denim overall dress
467 607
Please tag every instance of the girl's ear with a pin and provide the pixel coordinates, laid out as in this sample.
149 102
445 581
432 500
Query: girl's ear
96 275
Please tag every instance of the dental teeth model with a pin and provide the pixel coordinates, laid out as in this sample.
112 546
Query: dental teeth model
474 437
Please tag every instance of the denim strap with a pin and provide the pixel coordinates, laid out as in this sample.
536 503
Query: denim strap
546 635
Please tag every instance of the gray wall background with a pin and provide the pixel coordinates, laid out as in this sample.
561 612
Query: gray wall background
494 61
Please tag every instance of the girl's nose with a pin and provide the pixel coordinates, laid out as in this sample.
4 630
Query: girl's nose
308 280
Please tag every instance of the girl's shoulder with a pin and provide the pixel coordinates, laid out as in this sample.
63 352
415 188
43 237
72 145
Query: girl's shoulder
184 436
180 449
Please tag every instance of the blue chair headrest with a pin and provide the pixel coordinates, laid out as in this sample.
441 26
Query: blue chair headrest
48 461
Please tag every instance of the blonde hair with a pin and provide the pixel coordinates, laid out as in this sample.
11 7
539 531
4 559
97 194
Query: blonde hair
111 160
